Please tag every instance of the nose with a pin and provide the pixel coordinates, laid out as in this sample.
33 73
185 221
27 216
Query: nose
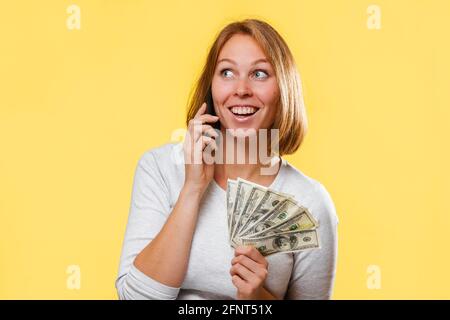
243 88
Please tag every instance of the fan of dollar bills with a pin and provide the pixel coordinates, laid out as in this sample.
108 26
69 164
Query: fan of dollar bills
267 219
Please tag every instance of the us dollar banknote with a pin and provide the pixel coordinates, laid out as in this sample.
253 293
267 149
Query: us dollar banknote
255 194
257 214
281 215
284 242
231 194
271 200
301 221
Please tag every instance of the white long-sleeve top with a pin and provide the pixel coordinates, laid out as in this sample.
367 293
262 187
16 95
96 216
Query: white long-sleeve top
158 180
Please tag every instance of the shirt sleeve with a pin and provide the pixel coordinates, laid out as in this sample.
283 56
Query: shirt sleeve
314 270
149 210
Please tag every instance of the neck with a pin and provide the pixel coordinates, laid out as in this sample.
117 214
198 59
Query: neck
241 159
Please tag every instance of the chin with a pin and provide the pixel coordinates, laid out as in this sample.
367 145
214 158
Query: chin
243 131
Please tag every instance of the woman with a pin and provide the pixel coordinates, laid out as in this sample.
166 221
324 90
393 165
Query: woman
176 242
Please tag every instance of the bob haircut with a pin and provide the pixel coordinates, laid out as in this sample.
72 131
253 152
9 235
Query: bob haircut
291 120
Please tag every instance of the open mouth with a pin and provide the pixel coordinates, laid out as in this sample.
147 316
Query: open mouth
243 112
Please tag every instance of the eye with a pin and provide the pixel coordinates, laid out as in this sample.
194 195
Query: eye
223 70
261 72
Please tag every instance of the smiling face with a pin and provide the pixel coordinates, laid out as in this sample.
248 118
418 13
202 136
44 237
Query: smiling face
244 86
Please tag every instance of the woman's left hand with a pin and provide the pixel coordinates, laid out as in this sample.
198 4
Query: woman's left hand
249 272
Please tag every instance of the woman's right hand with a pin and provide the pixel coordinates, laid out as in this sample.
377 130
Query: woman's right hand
198 172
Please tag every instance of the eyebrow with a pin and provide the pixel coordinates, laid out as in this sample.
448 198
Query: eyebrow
233 62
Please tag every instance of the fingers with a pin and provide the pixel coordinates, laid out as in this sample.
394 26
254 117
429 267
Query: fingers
241 271
209 131
201 115
206 142
238 281
203 150
197 127
252 253
247 262
200 110
200 137
256 279
204 129
242 263
207 118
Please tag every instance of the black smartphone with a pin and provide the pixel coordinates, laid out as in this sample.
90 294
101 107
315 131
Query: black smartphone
210 109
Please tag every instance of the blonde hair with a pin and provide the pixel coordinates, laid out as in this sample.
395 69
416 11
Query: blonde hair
291 120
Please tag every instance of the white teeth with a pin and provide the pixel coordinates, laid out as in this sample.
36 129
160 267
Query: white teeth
243 110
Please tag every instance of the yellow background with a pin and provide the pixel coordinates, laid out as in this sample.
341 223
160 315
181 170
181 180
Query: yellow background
79 107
